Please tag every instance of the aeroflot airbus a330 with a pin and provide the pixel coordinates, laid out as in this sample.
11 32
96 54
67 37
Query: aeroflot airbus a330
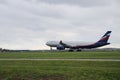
60 45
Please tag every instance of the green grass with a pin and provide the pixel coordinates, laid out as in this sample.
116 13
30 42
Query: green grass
59 70
43 55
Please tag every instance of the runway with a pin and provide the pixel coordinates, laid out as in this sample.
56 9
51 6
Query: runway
24 59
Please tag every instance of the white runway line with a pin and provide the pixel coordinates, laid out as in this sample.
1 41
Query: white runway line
22 59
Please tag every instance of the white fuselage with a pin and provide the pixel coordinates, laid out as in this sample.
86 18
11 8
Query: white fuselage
72 43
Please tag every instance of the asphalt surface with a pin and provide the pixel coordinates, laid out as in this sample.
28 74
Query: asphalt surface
22 59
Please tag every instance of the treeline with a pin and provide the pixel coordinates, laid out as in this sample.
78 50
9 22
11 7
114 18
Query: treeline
4 50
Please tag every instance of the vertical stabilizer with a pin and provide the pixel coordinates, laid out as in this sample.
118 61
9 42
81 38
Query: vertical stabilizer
105 37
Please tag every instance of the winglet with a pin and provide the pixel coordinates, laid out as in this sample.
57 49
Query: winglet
64 44
60 42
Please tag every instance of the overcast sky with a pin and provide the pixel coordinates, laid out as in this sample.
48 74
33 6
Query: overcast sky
29 24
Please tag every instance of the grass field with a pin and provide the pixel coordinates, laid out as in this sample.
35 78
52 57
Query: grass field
68 55
59 70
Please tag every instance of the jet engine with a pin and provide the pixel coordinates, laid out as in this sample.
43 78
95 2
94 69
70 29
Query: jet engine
60 47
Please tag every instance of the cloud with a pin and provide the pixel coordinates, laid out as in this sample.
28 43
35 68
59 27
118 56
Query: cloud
84 3
28 24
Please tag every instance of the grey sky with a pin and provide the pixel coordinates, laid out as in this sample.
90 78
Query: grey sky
28 24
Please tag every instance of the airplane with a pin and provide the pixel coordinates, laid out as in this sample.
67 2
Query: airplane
78 46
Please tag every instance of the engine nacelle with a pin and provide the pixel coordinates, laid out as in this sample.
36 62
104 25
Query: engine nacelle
60 47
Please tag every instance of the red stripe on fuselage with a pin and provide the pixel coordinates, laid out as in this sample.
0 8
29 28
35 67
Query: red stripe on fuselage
104 39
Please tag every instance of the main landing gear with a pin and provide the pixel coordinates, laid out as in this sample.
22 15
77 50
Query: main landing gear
78 50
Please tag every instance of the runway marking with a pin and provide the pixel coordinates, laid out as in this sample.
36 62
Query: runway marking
22 59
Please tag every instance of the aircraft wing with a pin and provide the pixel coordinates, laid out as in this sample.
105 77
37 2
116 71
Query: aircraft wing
65 45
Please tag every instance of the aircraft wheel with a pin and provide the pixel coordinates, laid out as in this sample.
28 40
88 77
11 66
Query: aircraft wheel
71 50
79 50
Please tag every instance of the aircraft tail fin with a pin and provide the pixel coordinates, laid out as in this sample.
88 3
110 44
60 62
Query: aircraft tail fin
105 37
